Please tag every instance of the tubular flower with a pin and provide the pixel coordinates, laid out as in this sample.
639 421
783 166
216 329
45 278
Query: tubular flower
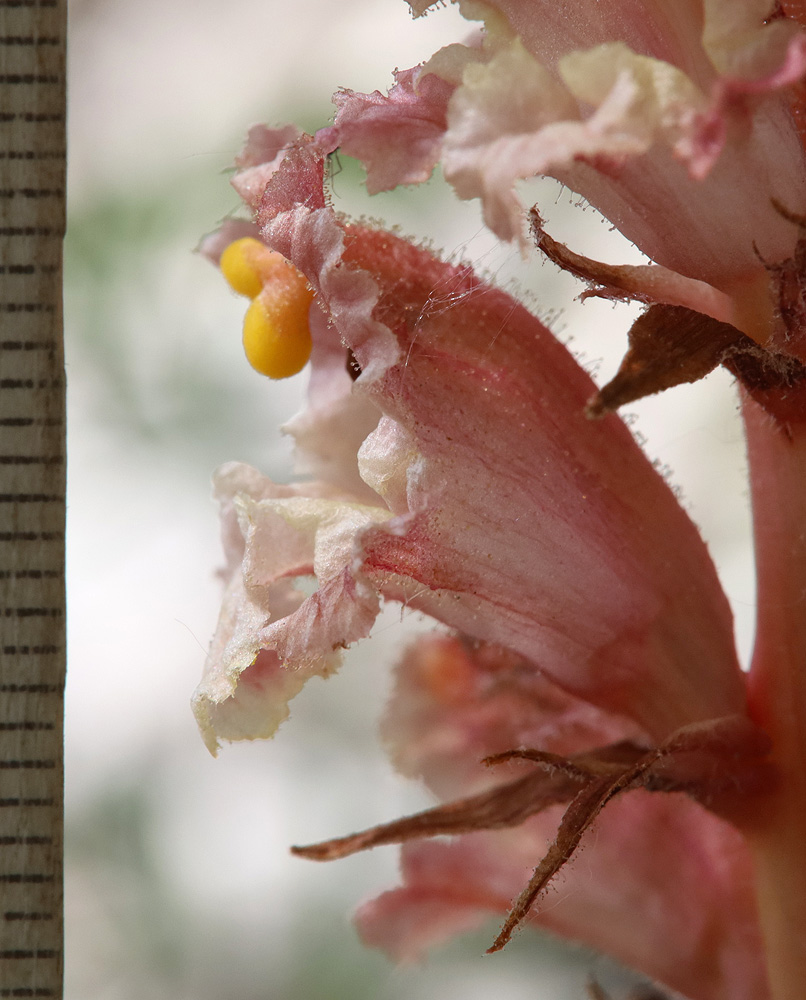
680 121
487 499
585 673
455 470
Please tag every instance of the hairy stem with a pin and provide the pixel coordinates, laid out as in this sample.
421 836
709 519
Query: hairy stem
776 828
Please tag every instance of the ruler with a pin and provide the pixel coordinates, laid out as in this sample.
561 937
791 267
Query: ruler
32 482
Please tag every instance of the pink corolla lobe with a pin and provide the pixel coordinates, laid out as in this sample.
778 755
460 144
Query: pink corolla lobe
397 149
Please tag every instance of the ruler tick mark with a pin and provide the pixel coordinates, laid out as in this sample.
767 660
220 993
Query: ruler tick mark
31 574
13 803
31 536
29 40
29 345
31 613
27 307
26 841
28 727
31 117
31 231
31 459
25 765
31 651
30 953
23 79
30 498
29 154
27 991
27 192
27 803
33 878
29 421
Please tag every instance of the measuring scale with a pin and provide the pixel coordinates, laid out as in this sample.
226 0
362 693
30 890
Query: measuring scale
32 483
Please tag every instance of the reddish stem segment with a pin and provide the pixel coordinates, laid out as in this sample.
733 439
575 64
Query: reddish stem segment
777 828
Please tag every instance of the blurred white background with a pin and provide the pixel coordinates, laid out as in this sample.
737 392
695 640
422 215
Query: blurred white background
179 883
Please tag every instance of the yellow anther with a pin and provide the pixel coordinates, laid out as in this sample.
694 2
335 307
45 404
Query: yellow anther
276 337
243 264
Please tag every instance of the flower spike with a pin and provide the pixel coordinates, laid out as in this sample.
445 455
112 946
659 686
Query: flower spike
589 677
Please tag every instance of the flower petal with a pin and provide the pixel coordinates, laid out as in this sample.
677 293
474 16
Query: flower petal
457 702
264 150
397 137
744 42
663 29
274 534
684 161
625 157
329 432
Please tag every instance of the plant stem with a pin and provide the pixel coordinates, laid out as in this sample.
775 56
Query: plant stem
776 829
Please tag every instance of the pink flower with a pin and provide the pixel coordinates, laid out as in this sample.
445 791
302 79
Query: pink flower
454 467
663 884
675 119
459 474
469 484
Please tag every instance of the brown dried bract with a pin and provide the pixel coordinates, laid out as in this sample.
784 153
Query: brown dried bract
776 382
604 280
789 281
669 345
711 761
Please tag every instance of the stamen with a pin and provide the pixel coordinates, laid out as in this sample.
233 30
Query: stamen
276 335
240 264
